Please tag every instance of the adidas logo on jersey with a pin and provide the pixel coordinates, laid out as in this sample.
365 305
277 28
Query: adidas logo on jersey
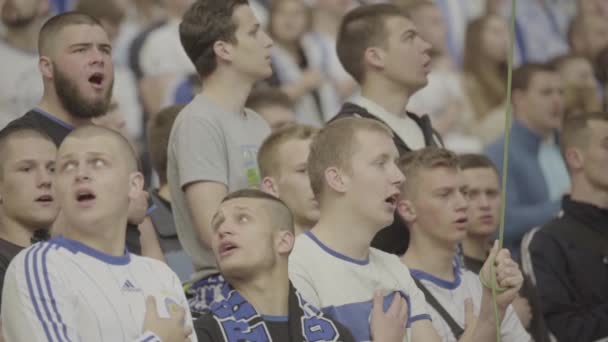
129 287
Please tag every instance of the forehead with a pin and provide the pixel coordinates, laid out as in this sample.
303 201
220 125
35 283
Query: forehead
545 79
294 151
250 205
81 34
94 144
29 146
599 128
397 24
439 177
371 144
481 177
244 17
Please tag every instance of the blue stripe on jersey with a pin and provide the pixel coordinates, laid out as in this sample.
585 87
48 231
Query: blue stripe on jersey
30 289
419 318
149 338
41 296
50 292
355 316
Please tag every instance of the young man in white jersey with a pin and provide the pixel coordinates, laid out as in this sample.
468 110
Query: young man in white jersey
253 235
283 160
434 204
214 142
85 286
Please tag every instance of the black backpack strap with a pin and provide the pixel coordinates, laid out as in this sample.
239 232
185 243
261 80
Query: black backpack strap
457 330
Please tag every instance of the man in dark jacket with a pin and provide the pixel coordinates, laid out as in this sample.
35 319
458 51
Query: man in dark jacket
570 254
378 45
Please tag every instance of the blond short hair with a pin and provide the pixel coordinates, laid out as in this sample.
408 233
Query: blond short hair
335 145
268 155
428 158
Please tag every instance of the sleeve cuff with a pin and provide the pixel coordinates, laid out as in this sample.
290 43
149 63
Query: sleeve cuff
149 336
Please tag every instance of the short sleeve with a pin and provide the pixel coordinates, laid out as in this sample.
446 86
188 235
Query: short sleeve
511 329
302 281
199 150
418 305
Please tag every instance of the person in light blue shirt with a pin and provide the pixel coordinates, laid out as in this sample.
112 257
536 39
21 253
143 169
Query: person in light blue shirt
537 175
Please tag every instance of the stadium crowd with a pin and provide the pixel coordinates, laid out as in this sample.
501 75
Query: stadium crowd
303 170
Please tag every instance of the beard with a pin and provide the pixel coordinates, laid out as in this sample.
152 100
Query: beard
74 102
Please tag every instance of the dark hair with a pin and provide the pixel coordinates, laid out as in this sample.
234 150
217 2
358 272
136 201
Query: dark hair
522 76
157 138
361 28
206 22
51 28
14 130
268 96
284 213
476 161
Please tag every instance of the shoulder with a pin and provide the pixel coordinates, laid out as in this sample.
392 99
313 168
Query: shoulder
379 256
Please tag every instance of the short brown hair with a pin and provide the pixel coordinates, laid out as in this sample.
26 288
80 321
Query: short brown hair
575 129
157 138
409 6
16 131
52 27
428 158
268 96
335 145
268 161
522 76
206 22
476 161
280 209
361 28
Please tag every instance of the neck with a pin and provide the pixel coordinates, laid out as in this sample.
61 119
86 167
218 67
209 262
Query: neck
337 233
324 22
544 134
476 246
24 38
267 292
50 103
301 227
431 257
390 96
106 237
227 90
12 231
584 191
164 192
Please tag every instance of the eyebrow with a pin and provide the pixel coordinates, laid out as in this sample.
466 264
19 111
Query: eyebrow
88 154
101 45
217 220
409 32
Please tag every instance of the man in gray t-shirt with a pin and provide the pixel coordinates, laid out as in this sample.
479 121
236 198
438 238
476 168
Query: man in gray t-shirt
214 141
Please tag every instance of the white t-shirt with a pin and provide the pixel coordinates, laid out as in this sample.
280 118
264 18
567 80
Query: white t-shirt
63 290
451 295
163 52
406 128
344 287
20 83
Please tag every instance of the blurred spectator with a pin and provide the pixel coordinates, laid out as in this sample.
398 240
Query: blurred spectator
602 75
114 119
326 18
283 160
299 64
442 98
485 64
215 140
27 209
580 86
161 212
570 253
20 85
588 35
586 7
111 16
273 105
537 176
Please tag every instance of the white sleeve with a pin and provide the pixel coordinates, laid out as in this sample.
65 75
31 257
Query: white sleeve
302 281
511 328
183 302
418 307
37 306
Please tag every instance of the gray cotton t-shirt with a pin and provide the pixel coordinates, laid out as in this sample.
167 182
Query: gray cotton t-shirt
208 143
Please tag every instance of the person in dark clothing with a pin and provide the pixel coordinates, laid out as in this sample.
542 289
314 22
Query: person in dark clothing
570 253
27 208
253 235
373 43
78 76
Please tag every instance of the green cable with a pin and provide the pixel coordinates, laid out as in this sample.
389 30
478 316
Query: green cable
501 228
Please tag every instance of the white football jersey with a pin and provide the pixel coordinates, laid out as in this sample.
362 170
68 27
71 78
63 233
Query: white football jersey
63 290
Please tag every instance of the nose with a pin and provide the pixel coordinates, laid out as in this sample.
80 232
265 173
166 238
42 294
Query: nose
426 46
397 177
44 178
268 41
97 56
82 174
462 203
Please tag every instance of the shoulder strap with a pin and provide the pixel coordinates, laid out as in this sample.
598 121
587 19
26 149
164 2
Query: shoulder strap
456 329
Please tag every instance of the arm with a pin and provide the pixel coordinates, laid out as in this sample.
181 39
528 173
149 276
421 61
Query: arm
567 319
150 247
311 79
203 199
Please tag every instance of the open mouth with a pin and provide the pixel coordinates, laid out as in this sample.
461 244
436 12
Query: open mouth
96 79
226 248
84 196
45 199
462 221
392 200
